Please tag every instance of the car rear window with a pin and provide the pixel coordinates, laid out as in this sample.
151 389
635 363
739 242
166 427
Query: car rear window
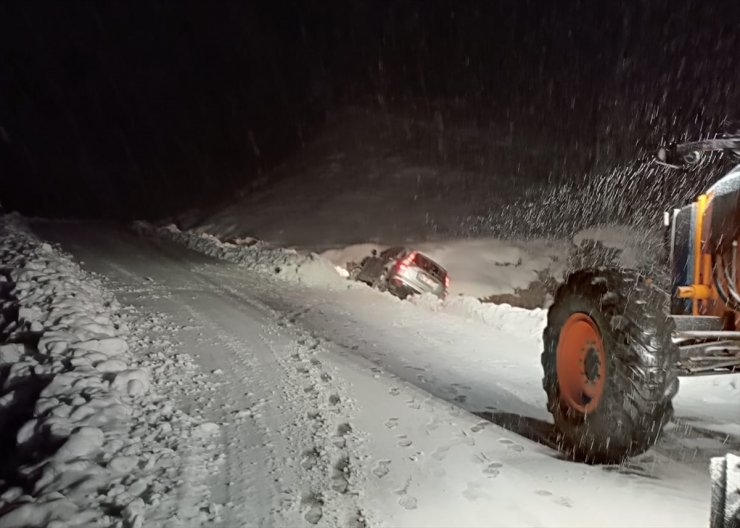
430 266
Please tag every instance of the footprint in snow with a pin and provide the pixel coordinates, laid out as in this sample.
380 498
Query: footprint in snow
357 520
479 426
394 391
408 502
473 492
392 423
511 445
312 508
325 377
382 468
493 469
334 399
465 439
310 458
343 429
441 453
403 441
340 477
543 493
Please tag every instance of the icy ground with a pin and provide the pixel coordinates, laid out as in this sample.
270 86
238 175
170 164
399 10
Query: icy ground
341 406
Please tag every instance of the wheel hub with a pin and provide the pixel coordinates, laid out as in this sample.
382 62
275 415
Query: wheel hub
580 363
591 364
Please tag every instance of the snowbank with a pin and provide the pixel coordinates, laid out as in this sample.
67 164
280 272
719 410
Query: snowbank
85 441
284 264
499 316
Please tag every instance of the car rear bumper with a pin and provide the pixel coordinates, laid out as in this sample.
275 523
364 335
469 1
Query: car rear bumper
409 281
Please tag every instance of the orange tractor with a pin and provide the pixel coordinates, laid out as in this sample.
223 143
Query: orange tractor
616 342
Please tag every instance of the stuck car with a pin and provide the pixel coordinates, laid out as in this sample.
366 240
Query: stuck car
401 271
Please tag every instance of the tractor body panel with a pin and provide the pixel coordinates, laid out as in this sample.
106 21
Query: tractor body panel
705 299
681 256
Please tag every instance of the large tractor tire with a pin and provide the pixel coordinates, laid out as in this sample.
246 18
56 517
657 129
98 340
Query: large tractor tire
608 365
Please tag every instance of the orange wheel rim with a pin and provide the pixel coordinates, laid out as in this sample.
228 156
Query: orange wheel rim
581 363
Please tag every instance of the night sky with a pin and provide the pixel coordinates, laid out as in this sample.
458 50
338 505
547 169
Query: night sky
143 108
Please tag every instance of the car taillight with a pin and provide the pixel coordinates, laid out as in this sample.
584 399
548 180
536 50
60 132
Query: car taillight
447 281
406 262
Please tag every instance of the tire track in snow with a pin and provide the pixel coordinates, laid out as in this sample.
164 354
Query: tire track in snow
330 497
323 395
241 404
316 434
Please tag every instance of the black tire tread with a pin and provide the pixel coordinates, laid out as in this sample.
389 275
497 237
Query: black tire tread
641 380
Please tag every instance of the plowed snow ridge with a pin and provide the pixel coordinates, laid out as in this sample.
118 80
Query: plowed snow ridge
88 438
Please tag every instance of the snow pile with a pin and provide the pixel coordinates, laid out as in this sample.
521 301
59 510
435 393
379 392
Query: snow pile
498 316
84 440
284 264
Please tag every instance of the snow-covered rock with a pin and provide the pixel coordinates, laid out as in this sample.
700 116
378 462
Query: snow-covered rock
133 382
84 443
86 415
10 353
206 429
109 365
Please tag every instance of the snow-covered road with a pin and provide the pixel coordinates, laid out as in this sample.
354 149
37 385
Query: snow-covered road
346 407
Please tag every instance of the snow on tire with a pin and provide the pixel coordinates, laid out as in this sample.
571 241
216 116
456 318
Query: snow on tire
725 474
609 337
